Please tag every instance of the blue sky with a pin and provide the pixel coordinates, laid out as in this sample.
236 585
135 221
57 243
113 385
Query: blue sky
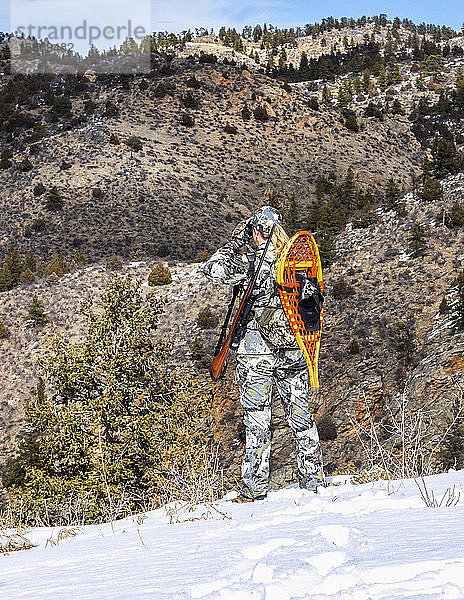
175 15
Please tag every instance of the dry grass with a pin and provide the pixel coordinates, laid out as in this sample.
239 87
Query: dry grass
405 446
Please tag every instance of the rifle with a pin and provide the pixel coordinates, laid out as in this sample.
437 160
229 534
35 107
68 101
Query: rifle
239 322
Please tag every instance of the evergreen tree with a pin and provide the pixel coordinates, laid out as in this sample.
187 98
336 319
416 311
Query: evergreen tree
292 222
366 81
326 245
10 273
456 216
326 95
392 192
434 66
431 190
304 66
36 312
382 79
358 86
349 190
444 157
417 239
118 421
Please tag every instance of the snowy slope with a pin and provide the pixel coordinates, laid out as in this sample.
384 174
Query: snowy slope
366 542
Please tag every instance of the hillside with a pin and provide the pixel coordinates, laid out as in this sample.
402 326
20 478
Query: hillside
185 180
377 292
161 167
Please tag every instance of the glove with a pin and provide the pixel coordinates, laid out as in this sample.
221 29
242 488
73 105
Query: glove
241 234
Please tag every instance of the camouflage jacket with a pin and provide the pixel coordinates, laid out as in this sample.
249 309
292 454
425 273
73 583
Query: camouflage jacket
268 328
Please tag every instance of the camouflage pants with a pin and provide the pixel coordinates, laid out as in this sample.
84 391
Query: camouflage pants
255 375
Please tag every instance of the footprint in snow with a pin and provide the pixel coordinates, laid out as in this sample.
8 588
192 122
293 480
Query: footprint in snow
261 550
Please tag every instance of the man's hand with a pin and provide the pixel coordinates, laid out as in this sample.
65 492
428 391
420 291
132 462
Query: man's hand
241 234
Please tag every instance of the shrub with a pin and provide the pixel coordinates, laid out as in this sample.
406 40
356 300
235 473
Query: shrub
163 250
374 110
261 113
134 143
11 270
199 354
159 275
187 119
366 219
111 110
53 200
193 82
189 100
342 289
351 122
207 319
39 225
444 306
353 348
230 128
4 331
114 139
58 265
65 165
114 263
313 103
27 276
207 58
431 190
160 90
456 216
97 192
246 113
202 255
39 189
25 165
403 337
118 422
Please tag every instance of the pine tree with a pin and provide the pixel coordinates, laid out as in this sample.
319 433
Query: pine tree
358 86
456 216
434 66
445 158
382 79
392 192
417 239
11 270
431 189
117 423
366 81
326 245
326 94
292 222
36 312
304 65
393 74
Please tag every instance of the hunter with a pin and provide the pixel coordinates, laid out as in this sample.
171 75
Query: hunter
268 351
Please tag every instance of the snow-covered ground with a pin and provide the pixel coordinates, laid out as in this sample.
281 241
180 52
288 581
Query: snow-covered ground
366 542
